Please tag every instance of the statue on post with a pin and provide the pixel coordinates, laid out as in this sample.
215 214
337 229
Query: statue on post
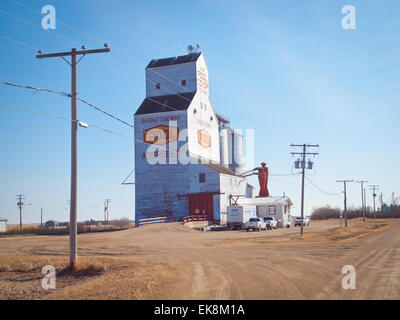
263 180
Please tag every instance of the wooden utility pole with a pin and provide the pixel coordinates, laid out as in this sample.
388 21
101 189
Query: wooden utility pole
365 201
345 199
74 139
374 188
303 167
20 197
106 214
362 196
41 217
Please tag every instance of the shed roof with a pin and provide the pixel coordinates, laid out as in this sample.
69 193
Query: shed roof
221 169
266 201
3 219
156 63
168 103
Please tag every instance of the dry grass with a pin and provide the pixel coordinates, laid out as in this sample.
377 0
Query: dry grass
91 278
24 228
170 261
358 229
347 234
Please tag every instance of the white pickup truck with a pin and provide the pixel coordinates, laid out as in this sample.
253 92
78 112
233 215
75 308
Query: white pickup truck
256 224
271 223
297 222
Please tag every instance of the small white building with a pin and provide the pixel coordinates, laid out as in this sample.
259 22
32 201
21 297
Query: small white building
277 207
3 225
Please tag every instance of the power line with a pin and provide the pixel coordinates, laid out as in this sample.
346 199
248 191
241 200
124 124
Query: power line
61 93
322 190
62 118
100 41
284 174
155 101
34 112
39 28
106 113
58 20
77 30
67 95
19 42
90 126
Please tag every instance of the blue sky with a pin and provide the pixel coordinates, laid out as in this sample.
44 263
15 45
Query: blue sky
286 69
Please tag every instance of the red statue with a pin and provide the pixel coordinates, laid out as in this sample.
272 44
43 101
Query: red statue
263 180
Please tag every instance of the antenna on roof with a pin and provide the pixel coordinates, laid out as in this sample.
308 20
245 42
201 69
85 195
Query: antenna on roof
190 49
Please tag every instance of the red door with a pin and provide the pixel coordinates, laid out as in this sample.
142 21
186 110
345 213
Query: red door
202 204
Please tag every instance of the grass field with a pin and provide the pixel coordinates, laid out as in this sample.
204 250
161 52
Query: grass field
24 228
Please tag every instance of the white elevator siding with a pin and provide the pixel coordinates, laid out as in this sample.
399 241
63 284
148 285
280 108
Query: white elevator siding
170 78
201 116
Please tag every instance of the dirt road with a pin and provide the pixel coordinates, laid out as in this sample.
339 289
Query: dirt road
169 261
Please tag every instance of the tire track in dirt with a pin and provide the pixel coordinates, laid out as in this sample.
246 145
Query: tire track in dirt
377 267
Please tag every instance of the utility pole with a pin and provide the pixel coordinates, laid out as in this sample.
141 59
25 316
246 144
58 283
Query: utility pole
345 199
374 188
20 197
74 139
365 200
41 217
362 196
303 167
106 216
381 201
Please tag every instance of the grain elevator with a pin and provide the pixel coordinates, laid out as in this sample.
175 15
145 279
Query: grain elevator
187 158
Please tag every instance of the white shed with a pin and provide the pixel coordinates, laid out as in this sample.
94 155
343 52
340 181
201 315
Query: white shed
3 225
277 207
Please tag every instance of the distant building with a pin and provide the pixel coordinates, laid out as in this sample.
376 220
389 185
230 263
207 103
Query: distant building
277 207
3 225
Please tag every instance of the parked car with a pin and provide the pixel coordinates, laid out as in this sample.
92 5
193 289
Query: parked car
271 223
256 224
297 222
51 224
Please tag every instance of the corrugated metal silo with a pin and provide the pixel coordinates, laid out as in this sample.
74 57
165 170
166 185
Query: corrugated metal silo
224 148
238 155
